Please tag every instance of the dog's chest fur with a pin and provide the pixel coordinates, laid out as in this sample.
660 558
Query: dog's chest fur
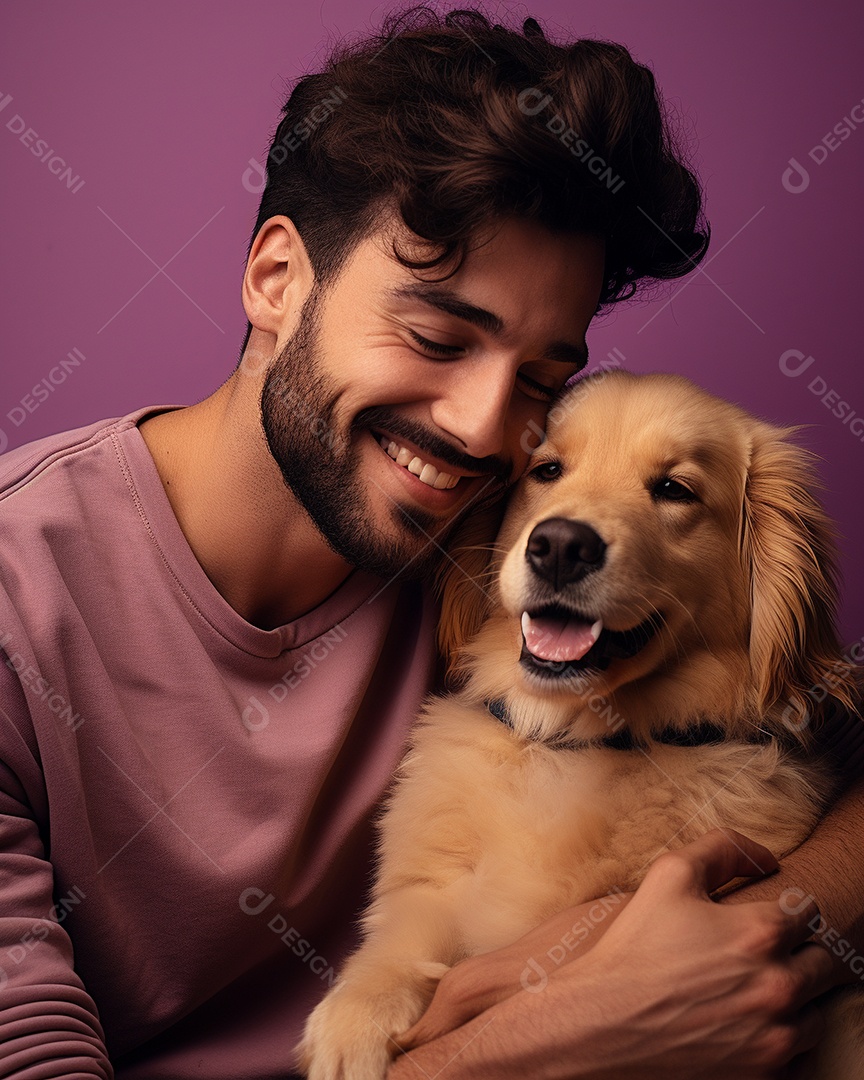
516 832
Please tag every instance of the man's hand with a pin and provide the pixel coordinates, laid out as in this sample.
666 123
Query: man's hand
482 981
671 984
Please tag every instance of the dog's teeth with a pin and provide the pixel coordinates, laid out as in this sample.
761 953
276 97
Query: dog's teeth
526 622
596 629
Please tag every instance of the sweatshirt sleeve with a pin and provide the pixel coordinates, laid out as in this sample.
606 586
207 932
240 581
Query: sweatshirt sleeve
49 1026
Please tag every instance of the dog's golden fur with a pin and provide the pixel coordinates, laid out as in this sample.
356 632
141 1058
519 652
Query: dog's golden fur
492 828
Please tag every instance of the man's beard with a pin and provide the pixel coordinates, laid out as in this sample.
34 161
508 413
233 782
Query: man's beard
319 463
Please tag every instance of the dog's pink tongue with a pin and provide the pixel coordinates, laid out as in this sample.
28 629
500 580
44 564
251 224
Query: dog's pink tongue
559 639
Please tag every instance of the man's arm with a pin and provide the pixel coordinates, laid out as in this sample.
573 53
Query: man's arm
48 1022
825 867
828 866
676 985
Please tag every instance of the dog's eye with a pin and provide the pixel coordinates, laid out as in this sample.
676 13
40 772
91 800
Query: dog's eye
549 470
672 490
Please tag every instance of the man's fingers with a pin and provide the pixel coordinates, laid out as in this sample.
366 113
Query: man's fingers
464 992
809 1029
434 1023
719 856
818 969
415 1036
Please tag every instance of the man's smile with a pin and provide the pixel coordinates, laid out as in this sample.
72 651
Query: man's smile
428 479
425 471
430 468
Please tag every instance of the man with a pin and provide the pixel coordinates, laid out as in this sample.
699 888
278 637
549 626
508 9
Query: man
217 624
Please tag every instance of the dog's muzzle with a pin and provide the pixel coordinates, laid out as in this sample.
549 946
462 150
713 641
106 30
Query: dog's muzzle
558 638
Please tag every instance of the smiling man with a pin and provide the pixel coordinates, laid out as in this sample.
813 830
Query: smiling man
391 406
217 624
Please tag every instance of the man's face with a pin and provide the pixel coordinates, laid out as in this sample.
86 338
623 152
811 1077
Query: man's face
389 374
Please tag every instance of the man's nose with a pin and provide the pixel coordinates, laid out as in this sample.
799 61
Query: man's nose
474 411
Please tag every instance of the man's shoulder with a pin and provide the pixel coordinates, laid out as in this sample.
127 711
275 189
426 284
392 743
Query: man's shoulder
25 464
62 498
36 478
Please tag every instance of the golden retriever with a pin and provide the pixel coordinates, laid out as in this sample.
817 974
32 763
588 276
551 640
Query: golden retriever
635 660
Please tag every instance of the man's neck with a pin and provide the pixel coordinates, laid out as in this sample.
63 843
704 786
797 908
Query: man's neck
254 541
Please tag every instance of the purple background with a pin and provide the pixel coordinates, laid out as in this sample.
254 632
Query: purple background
158 109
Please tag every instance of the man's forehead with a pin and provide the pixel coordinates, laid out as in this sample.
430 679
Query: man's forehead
499 297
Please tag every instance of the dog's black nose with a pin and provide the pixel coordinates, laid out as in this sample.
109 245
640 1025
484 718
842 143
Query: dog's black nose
561 550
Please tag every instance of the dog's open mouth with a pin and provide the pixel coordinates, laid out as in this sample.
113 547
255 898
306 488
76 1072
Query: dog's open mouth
560 642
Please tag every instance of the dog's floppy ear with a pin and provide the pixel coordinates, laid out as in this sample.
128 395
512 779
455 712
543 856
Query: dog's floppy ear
464 581
788 550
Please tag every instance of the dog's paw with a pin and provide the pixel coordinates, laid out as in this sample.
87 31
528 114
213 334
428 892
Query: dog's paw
343 1044
350 1034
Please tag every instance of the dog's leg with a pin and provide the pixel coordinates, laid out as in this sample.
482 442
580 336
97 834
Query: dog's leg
384 987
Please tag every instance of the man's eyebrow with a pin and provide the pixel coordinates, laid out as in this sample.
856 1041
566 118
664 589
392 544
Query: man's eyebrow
446 300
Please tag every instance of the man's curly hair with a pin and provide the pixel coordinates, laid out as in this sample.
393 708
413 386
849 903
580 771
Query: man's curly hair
455 122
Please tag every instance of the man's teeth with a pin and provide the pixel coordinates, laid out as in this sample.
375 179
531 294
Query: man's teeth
421 469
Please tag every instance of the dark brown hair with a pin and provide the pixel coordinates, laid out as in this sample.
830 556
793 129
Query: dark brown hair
454 122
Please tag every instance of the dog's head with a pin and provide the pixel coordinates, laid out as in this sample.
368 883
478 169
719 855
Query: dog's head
663 559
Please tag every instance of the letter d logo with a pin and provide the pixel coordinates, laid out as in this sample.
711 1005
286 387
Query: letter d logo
793 370
255 715
533 968
793 901
532 101
796 178
524 440
253 901
254 180
796 717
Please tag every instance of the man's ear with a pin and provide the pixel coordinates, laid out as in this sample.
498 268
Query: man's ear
278 277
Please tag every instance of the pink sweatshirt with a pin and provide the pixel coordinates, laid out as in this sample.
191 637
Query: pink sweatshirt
185 798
